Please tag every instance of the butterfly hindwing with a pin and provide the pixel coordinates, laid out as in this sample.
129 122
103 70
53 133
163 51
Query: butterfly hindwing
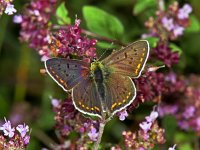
120 92
67 73
130 60
86 98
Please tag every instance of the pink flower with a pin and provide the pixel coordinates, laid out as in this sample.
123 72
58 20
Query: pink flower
122 115
168 23
178 30
10 10
55 102
93 134
184 12
23 129
7 129
145 126
26 139
17 19
153 116
189 112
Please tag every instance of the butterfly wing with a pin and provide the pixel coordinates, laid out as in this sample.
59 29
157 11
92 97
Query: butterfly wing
67 73
120 93
130 60
86 98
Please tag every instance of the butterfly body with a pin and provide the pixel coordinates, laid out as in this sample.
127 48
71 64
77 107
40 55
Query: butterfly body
101 86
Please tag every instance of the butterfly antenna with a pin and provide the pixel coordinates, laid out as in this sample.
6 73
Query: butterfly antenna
105 51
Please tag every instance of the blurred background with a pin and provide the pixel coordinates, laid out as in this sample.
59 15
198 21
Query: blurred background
25 92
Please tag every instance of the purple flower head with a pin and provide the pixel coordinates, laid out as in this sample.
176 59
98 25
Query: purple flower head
184 12
55 103
17 19
167 109
168 23
23 129
153 116
189 112
171 77
93 134
10 10
198 123
26 139
165 54
7 129
183 124
71 42
178 30
122 115
145 126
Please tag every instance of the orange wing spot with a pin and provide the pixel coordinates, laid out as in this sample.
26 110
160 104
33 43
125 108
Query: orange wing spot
57 76
141 59
136 71
138 66
79 103
83 106
127 96
96 108
62 81
119 103
143 49
113 106
142 54
87 108
124 101
92 108
129 93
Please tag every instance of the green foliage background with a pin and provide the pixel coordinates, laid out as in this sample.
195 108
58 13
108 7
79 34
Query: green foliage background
22 84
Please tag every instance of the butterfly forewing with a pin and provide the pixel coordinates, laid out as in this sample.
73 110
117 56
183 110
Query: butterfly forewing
67 73
130 60
86 98
120 92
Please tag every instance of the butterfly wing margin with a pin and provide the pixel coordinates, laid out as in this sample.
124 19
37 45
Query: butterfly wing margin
121 92
129 61
66 73
86 98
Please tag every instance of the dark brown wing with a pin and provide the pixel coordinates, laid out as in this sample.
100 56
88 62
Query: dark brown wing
67 73
130 60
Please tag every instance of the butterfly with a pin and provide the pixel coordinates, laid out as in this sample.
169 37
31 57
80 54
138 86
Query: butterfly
102 86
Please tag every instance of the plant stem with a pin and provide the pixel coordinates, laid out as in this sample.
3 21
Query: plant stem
101 129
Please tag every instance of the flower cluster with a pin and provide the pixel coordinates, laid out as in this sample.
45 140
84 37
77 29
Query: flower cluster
7 7
153 86
35 24
38 30
148 135
168 25
185 105
68 120
70 42
14 138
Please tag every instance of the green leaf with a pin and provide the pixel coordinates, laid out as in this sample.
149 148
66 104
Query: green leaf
185 146
175 48
152 41
194 26
142 5
103 23
169 123
62 13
